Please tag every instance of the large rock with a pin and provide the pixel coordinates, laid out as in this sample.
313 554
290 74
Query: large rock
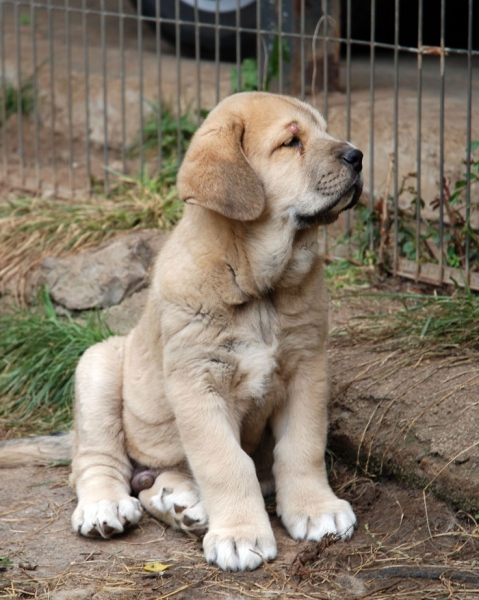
104 276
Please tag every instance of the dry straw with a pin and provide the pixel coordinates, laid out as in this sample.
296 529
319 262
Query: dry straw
34 228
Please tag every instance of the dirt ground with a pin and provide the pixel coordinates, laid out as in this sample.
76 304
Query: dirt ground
405 546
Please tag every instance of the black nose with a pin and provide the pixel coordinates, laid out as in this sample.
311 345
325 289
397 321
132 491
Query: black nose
353 157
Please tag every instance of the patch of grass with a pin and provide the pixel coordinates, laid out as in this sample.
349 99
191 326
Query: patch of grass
429 325
170 127
249 70
343 274
38 355
15 100
25 19
33 228
5 562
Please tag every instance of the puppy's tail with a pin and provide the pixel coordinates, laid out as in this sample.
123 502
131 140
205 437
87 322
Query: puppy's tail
38 450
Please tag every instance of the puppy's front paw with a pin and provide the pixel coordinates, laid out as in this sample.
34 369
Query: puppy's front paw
313 520
239 549
106 518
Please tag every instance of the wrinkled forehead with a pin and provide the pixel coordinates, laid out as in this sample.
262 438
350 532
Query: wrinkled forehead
305 111
259 110
286 111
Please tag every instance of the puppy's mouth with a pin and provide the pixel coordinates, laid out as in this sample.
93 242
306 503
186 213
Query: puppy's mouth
329 213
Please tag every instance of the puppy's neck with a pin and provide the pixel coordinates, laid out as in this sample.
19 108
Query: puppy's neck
278 254
259 256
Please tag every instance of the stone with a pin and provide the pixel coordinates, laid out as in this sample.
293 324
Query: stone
122 318
104 276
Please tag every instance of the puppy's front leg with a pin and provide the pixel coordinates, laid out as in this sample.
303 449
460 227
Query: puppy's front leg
240 533
308 507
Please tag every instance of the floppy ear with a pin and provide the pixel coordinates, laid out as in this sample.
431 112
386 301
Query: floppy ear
217 175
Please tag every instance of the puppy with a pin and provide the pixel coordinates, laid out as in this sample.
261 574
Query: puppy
226 369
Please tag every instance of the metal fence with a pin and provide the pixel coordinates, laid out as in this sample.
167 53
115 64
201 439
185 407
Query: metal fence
87 87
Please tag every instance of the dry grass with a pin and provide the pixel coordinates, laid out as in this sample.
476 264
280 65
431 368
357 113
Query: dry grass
416 326
34 228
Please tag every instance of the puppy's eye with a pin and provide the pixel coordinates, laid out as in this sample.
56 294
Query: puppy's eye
295 142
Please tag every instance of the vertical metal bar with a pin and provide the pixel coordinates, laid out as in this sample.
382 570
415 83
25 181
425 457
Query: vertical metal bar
121 40
69 95
139 31
36 151
198 64
467 248
178 80
419 133
4 93
52 94
441 139
87 94
325 17
19 92
160 91
348 71
396 135
238 47
259 78
348 94
325 58
371 120
217 49
279 39
302 49
105 96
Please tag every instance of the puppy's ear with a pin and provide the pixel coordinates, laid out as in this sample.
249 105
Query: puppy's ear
217 175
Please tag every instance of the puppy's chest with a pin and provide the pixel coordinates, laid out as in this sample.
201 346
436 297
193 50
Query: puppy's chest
247 363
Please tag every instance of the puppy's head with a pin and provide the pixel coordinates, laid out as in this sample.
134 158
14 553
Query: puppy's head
260 154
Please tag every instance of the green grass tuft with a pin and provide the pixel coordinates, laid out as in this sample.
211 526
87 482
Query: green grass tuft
170 127
14 100
342 274
433 325
38 355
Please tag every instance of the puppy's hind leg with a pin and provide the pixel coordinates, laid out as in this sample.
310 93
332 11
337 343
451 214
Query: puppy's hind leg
175 499
101 469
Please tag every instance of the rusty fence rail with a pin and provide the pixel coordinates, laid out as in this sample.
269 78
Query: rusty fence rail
82 80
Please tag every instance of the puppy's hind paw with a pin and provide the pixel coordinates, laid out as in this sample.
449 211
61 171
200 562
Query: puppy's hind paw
174 499
106 518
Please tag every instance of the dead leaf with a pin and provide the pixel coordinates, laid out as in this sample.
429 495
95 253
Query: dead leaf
156 567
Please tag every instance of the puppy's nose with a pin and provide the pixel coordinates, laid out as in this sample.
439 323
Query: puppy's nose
353 157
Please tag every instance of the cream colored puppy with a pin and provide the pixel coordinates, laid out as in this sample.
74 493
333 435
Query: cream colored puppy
231 346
